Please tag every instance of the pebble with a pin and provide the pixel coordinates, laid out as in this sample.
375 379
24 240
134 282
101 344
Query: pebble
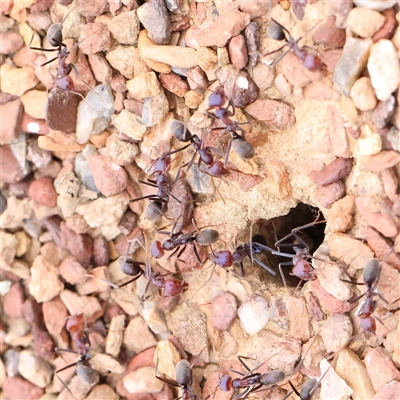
80 246
72 271
102 392
95 281
115 335
368 143
166 357
94 37
341 214
176 56
130 125
253 314
10 42
121 58
42 191
223 310
336 132
238 51
364 22
380 368
67 102
17 81
333 386
383 160
17 388
109 177
13 300
94 114
227 25
100 67
377 214
383 112
189 327
155 109
388 392
329 34
363 94
144 85
174 84
89 306
125 27
78 388
11 115
39 21
353 370
143 380
137 336
377 5
11 170
106 364
44 284
389 278
272 112
92 8
387 29
328 194
34 102
384 69
104 211
299 320
154 17
337 169
336 332
34 369
352 61
54 314
17 212
120 151
200 182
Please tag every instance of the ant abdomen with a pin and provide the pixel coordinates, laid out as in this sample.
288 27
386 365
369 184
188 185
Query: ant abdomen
272 377
180 131
371 271
156 249
54 35
206 237
308 388
130 267
183 373
86 373
242 148
153 210
275 31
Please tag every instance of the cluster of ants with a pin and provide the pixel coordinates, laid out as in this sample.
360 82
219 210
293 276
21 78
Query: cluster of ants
251 381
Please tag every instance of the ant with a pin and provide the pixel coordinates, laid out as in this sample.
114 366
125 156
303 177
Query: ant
310 61
79 334
251 381
63 79
238 141
184 377
371 274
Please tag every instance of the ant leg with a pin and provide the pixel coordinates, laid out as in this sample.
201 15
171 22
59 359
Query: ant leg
131 280
281 271
240 358
260 263
358 298
228 150
177 249
196 253
148 183
150 196
85 83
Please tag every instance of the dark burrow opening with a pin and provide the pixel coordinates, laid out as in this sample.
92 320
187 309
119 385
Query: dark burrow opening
268 232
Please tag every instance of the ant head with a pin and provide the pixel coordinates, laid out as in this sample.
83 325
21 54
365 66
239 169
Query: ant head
223 258
242 148
156 249
217 97
368 324
74 323
180 131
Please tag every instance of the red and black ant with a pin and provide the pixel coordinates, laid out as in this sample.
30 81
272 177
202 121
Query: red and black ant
371 274
184 378
310 61
251 382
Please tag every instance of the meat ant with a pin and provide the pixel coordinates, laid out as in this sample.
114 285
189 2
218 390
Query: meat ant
371 274
251 381
184 377
310 61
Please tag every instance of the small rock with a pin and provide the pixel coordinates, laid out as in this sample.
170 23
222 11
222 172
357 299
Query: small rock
120 58
380 368
78 388
383 160
364 22
336 332
67 102
383 112
130 125
387 29
106 364
253 314
334 171
252 36
166 357
104 211
281 83
314 308
92 8
42 191
17 212
100 67
155 109
101 252
143 380
329 35
333 386
10 42
72 271
384 69
125 27
95 282
388 392
80 246
196 78
368 143
94 113
11 115
363 94
199 181
352 61
11 170
16 388
109 177
226 26
94 37
174 84
34 369
137 336
13 300
352 369
54 314
102 392
272 112
17 81
144 85
44 284
377 5
341 214
115 335
34 102
238 51
89 306
223 311
377 214
328 194
298 319
118 83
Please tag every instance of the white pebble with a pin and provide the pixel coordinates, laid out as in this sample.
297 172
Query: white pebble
253 314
